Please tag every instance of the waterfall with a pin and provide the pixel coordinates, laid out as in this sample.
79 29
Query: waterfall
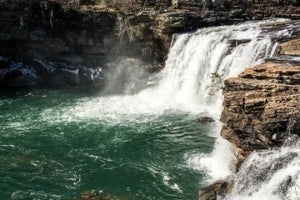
197 65
191 82
270 174
199 62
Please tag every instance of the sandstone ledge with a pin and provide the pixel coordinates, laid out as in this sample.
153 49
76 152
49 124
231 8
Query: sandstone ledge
291 47
261 106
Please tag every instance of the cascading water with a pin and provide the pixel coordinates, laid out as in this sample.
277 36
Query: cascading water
141 146
191 82
270 174
197 65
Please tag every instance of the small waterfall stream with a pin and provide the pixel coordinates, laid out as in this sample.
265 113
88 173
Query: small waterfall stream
270 174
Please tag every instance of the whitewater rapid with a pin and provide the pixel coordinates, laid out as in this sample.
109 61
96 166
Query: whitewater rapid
195 69
191 82
270 174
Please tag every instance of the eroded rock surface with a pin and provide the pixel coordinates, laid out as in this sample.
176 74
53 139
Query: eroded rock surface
291 47
215 191
261 111
261 106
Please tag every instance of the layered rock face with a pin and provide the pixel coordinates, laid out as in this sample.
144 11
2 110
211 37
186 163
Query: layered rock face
261 107
45 31
61 47
290 48
91 33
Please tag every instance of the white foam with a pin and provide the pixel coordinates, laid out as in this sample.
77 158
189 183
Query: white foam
191 81
167 182
269 174
218 165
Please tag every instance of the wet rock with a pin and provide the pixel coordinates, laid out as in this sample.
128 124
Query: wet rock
215 191
16 74
64 77
21 81
95 195
90 76
235 43
61 75
205 120
42 69
44 74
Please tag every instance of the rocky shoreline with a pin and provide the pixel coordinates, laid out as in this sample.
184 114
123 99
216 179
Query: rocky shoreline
261 109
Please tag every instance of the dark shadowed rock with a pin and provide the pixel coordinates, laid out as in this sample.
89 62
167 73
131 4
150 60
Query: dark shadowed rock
215 191
16 74
90 76
96 195
64 77
205 120
44 74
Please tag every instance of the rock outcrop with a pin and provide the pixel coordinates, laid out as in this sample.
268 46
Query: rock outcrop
49 74
92 33
261 106
215 191
290 48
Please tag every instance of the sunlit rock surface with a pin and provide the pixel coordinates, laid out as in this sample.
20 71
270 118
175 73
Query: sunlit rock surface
261 106
291 48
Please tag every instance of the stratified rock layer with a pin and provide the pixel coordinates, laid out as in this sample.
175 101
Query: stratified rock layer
291 47
261 106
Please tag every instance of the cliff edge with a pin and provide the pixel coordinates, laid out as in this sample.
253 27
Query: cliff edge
261 108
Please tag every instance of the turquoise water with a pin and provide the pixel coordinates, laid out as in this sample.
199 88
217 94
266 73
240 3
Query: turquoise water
47 152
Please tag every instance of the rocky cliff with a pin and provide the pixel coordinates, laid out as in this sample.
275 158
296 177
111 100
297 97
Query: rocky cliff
261 108
85 35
